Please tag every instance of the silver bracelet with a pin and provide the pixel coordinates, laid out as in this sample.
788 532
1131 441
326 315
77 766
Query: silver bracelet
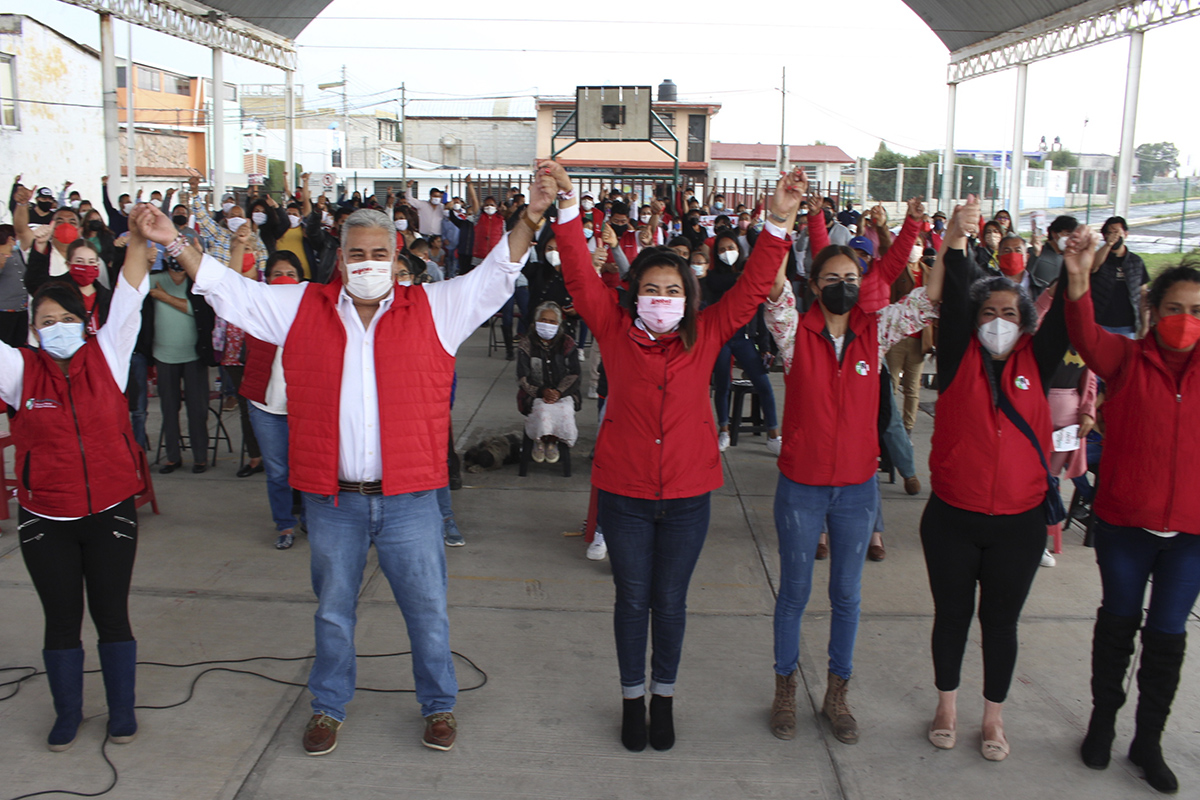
776 218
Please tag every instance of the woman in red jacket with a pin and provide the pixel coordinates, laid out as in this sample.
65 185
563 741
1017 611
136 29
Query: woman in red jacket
656 454
985 523
79 471
1147 507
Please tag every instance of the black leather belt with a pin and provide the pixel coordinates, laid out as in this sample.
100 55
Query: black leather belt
366 487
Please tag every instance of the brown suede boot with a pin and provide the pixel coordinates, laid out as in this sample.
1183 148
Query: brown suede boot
845 728
783 710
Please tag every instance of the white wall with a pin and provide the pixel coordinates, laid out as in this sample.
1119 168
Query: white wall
53 143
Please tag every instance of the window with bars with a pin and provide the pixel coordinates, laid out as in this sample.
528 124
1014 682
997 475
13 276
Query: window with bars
149 80
657 129
561 115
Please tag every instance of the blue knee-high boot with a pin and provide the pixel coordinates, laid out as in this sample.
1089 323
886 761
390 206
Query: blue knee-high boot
64 672
118 662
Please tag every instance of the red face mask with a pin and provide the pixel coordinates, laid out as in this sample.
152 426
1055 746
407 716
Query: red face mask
1012 263
283 279
85 274
247 261
1179 331
65 232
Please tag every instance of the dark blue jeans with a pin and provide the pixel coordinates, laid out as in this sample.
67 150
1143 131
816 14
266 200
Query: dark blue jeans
747 355
1130 557
137 392
653 546
519 300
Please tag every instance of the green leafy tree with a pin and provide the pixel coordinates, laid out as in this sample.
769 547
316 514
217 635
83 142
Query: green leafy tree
1157 159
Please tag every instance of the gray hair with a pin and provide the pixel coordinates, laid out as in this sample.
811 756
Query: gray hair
370 218
984 288
552 307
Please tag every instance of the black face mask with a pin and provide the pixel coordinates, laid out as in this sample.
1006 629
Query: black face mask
95 225
840 297
620 230
180 220
174 265
1119 244
44 205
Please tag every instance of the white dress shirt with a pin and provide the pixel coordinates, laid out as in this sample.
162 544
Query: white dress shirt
459 306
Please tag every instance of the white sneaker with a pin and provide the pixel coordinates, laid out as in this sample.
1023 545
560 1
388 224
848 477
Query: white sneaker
582 355
775 446
539 451
597 550
593 393
551 452
1048 559
723 441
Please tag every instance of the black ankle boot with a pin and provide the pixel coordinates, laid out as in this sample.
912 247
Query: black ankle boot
1112 648
1158 678
633 724
662 723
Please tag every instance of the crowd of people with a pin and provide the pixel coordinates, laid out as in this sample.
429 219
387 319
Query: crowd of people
334 326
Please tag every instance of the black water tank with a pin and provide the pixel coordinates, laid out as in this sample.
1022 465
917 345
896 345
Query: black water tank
667 91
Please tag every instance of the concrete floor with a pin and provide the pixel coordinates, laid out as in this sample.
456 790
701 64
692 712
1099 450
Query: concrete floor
531 611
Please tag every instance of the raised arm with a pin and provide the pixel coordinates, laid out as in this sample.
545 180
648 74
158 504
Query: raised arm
818 234
1110 240
1105 353
873 295
472 198
955 326
21 197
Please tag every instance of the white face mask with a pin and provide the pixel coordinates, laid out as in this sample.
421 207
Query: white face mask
401 224
546 330
327 219
127 208
456 206
586 204
660 314
802 212
489 209
76 203
1061 241
404 283
588 233
435 201
718 205
553 258
293 220
999 336
644 218
729 257
62 339
698 269
259 217
369 280
916 253
235 222
225 207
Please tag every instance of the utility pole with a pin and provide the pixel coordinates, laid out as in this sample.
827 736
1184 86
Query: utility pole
403 143
130 146
345 122
783 153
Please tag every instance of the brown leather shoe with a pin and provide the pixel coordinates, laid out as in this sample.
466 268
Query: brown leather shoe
440 731
822 551
320 735
876 552
783 710
912 485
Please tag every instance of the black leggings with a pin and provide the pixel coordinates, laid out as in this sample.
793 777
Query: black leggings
63 557
999 553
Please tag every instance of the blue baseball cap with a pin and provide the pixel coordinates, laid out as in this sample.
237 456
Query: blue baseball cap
864 244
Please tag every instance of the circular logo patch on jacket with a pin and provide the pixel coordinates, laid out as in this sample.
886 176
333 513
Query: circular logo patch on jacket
1022 383
861 368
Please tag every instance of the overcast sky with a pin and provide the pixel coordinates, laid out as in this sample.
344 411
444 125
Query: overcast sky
856 72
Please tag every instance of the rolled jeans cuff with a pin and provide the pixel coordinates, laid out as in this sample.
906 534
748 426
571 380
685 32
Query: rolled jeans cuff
662 689
633 692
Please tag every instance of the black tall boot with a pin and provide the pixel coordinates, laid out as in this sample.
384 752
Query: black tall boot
1112 648
506 330
1158 678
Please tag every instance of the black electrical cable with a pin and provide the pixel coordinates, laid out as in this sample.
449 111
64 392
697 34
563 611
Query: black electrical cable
33 672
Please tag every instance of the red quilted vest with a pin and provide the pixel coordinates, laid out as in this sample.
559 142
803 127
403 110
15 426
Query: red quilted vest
75 450
488 231
260 357
980 461
414 374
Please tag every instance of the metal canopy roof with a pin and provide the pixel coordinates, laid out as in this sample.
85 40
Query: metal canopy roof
960 24
297 14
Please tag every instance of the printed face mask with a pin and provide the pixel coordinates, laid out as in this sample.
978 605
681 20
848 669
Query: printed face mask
730 257
1179 331
553 258
84 274
62 339
235 222
546 330
369 280
840 297
660 314
999 336
259 217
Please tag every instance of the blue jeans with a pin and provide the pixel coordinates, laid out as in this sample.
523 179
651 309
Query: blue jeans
139 397
581 340
800 513
271 430
445 507
895 438
1128 331
653 546
1130 557
520 297
406 530
747 355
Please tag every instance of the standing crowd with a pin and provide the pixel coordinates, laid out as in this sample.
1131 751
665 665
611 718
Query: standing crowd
334 327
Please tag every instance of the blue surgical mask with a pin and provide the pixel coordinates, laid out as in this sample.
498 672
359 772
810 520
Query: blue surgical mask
62 339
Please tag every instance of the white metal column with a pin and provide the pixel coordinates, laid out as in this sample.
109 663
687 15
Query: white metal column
948 198
108 82
217 168
1018 148
289 142
130 120
1128 123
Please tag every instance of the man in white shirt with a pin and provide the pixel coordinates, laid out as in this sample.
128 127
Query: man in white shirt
368 435
430 213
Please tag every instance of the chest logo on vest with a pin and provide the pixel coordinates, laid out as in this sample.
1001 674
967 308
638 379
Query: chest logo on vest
31 404
862 369
1022 383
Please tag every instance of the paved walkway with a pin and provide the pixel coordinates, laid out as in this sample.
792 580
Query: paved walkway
535 615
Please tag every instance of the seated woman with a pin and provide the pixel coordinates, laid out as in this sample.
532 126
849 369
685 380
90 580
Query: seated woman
548 377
